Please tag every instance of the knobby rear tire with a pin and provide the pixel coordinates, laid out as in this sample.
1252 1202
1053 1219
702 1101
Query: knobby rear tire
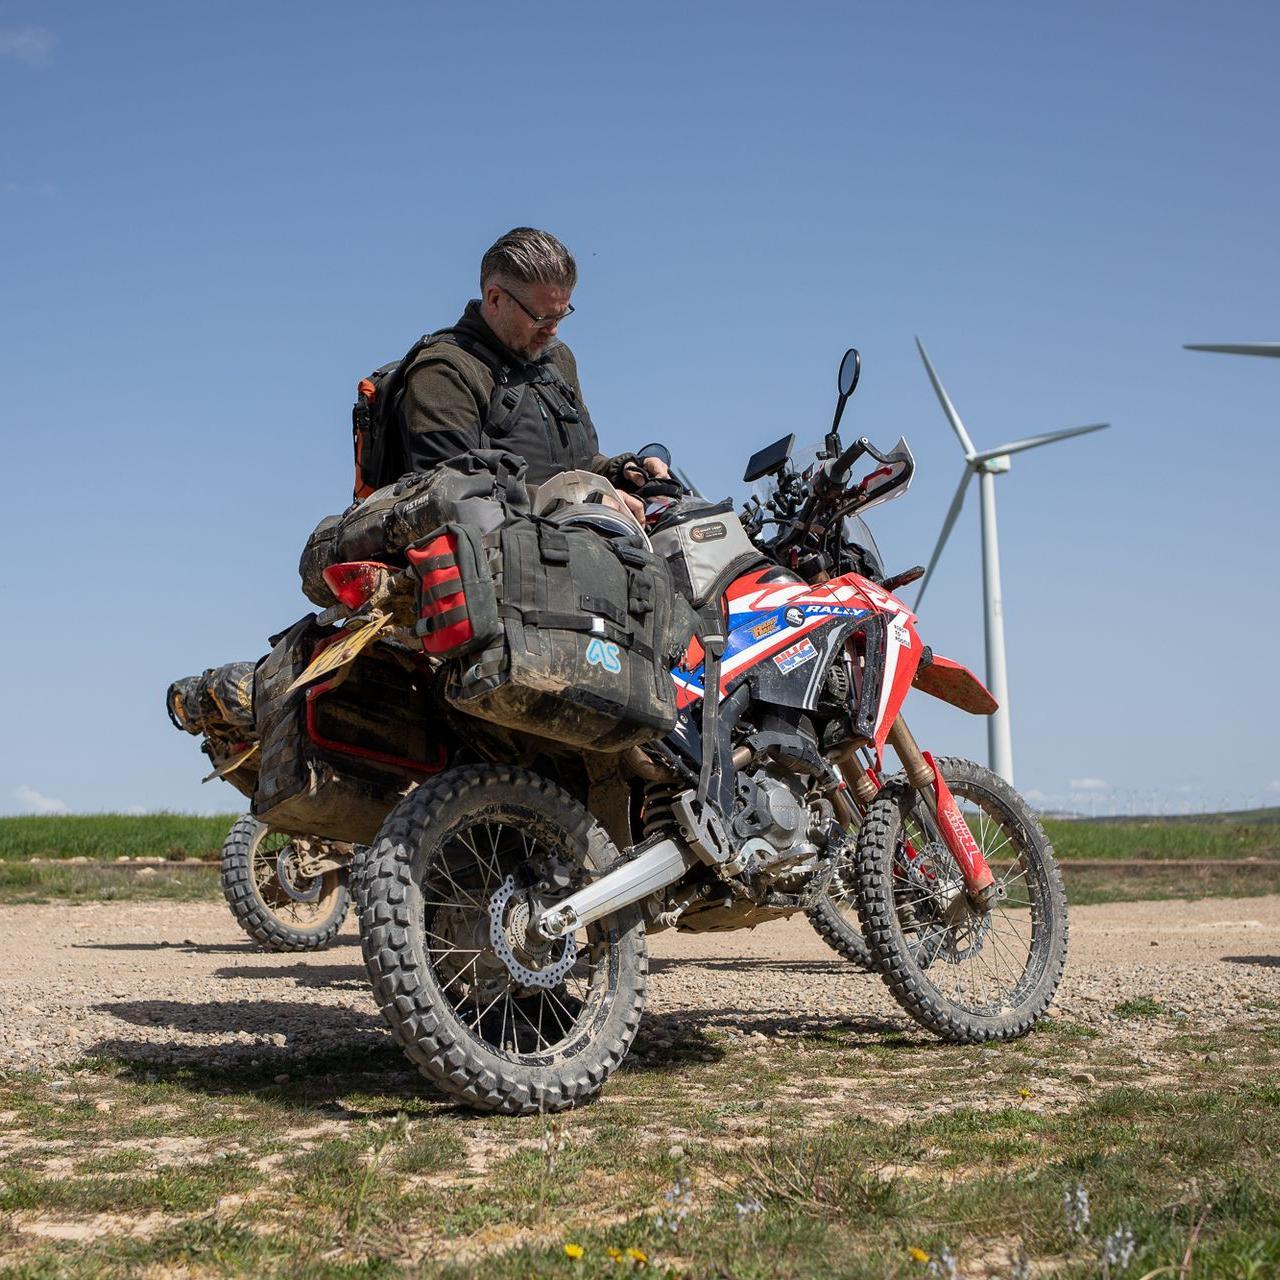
920 962
421 897
263 909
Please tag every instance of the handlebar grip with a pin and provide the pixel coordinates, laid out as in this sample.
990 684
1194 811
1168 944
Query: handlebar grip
849 457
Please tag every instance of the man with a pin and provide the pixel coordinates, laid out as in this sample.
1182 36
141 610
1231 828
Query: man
501 379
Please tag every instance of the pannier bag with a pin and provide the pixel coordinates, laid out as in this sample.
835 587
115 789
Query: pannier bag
586 635
219 705
706 548
338 753
457 604
477 489
219 700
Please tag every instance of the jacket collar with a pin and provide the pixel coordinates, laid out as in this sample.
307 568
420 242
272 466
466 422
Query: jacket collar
474 323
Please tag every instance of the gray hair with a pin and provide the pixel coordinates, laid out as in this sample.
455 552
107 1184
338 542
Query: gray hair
529 256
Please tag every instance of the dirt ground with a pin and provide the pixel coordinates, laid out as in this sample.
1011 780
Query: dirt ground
178 982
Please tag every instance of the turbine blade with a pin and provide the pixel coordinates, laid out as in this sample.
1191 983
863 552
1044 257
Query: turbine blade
1236 348
1034 442
952 516
945 400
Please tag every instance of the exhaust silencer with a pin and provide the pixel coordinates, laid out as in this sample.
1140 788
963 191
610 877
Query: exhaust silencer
657 867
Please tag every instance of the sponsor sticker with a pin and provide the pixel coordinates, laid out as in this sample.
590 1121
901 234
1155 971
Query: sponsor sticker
794 617
796 656
604 653
765 628
900 635
708 532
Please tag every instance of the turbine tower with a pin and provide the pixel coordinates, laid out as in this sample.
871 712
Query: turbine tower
986 464
1236 348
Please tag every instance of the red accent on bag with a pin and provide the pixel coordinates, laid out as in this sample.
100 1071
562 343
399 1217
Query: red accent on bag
441 639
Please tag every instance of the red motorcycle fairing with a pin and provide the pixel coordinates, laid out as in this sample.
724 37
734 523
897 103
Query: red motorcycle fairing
773 617
957 685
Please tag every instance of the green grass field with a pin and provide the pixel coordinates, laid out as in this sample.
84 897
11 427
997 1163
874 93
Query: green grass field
113 835
1253 834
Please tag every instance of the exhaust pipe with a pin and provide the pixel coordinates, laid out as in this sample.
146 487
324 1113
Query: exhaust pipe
657 867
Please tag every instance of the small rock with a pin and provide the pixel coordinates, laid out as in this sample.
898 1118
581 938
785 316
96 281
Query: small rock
1154 942
675 1151
147 871
58 1086
283 1078
1215 1056
102 1105
1084 1077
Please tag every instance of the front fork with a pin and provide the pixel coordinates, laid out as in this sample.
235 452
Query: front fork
923 773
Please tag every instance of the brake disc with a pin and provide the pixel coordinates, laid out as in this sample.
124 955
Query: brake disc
956 932
504 926
285 873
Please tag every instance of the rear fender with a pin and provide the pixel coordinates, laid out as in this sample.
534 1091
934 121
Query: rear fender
957 685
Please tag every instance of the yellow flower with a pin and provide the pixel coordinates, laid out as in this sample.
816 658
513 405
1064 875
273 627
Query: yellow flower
614 1254
1024 1093
637 1255
574 1251
918 1254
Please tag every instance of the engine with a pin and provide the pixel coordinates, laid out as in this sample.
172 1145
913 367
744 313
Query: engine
781 826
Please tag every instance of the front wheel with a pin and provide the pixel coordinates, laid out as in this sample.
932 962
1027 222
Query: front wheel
490 1012
967 976
283 892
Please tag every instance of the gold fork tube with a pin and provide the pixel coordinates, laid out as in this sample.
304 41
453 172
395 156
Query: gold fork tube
913 761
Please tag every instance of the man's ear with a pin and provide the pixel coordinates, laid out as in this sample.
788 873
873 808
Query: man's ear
489 295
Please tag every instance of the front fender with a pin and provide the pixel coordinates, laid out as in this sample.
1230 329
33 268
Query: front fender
956 684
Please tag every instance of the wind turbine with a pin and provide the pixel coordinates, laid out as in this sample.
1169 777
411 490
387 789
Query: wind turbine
986 464
1236 348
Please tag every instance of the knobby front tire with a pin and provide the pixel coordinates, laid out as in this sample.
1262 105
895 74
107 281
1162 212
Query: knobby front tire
259 902
965 976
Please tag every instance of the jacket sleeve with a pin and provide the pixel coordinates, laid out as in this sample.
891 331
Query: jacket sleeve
442 415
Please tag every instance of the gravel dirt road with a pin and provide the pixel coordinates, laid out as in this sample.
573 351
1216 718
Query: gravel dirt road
178 982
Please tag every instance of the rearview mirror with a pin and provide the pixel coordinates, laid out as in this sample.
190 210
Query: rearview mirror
770 459
655 450
850 369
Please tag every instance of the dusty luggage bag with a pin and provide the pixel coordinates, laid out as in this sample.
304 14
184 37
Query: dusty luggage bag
585 638
477 489
337 753
219 706
705 547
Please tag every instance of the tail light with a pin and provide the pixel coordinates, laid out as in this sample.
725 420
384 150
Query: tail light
356 582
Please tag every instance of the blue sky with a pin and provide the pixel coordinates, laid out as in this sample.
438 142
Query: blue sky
214 219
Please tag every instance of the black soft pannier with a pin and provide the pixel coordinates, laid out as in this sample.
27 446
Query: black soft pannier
588 631
478 489
338 752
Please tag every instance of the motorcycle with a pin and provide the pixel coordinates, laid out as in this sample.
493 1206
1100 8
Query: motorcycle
504 908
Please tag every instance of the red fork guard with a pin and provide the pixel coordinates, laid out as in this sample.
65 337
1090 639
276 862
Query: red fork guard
959 840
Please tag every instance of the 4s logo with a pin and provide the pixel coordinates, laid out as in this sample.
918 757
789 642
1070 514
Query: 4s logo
604 653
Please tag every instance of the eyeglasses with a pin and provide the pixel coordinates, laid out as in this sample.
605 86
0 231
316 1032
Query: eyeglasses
539 320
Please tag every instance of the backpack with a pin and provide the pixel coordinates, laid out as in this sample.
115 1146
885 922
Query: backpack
378 413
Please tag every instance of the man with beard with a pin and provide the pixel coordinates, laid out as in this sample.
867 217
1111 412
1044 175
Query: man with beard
501 379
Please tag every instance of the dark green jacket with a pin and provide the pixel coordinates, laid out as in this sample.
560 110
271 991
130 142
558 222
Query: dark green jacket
455 402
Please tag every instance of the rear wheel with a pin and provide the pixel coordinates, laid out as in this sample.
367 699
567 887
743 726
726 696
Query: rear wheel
835 914
489 1011
273 893
967 976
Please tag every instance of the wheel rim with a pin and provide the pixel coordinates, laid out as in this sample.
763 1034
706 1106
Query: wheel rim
984 963
314 898
487 861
